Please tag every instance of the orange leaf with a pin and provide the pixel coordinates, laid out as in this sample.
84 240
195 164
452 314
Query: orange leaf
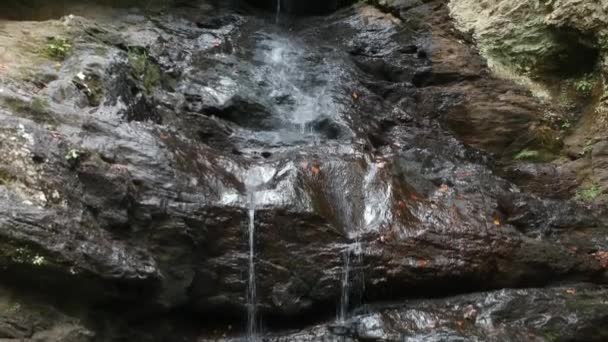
497 221
422 263
315 170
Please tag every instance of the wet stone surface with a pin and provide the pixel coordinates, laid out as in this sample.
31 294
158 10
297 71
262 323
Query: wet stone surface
127 167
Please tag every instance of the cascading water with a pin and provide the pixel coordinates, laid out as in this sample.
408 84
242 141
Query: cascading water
299 86
252 320
352 257
345 297
255 178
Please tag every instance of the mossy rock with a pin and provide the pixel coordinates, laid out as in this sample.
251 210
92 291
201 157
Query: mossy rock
144 68
38 109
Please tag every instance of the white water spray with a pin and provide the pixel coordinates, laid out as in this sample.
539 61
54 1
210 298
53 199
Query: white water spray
255 178
252 320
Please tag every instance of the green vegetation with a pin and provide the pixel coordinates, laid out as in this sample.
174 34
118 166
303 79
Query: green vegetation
589 194
58 48
588 148
144 68
6 177
37 110
73 155
551 336
584 86
527 154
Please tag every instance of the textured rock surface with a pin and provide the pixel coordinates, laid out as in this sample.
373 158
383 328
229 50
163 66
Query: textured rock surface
535 36
556 314
558 48
128 165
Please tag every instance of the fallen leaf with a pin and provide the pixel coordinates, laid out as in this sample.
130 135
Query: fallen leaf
402 204
422 263
571 291
602 257
497 221
460 323
315 170
355 95
444 188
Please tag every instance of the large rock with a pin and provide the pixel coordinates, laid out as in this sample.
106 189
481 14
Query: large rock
554 314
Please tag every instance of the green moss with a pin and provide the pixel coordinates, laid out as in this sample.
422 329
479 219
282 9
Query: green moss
588 148
551 335
57 48
527 154
589 194
144 68
37 109
92 86
6 177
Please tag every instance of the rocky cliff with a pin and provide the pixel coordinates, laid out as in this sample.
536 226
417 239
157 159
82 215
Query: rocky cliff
378 153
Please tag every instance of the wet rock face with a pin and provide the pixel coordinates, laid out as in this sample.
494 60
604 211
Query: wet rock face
507 315
312 7
132 159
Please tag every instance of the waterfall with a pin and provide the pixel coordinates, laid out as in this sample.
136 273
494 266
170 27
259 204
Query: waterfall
351 280
345 298
254 180
251 288
278 16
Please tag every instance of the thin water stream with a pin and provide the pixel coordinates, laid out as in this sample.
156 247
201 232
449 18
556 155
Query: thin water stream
252 319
